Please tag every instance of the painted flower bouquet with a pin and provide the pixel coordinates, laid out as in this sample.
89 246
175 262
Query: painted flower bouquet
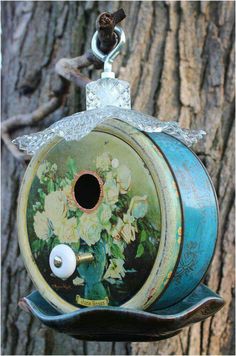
120 220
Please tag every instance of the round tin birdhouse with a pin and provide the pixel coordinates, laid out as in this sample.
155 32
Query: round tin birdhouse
120 218
112 213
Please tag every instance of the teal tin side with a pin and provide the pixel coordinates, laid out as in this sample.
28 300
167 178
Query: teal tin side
200 214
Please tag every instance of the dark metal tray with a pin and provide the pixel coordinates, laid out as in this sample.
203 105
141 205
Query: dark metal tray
122 324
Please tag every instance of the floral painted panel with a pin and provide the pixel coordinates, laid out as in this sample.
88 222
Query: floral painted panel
123 233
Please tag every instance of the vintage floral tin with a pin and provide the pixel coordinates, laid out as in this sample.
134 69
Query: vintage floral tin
122 229
142 210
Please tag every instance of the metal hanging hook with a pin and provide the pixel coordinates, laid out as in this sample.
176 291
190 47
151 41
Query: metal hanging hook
109 57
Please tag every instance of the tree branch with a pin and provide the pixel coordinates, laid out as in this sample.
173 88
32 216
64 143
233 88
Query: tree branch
68 70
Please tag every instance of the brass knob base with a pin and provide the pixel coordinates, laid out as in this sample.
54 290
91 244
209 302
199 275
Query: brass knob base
84 258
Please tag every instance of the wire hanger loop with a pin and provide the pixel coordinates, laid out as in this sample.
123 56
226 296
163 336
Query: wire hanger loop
108 58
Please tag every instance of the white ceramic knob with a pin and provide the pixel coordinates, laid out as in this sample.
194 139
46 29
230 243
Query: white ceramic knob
62 261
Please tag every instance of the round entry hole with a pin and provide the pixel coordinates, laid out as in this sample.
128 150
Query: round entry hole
88 190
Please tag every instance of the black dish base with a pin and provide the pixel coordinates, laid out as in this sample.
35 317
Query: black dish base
122 324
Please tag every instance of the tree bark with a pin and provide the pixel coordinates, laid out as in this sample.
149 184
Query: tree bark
179 60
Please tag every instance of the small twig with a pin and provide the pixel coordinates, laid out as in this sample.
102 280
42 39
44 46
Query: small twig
105 25
69 71
20 156
37 115
68 68
34 117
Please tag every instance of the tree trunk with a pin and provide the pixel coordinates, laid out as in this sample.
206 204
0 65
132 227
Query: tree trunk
179 59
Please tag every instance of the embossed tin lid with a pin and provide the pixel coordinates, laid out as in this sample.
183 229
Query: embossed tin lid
107 196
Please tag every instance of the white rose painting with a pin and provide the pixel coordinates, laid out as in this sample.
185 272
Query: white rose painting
118 224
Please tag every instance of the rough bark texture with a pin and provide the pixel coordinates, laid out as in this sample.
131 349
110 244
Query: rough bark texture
179 60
